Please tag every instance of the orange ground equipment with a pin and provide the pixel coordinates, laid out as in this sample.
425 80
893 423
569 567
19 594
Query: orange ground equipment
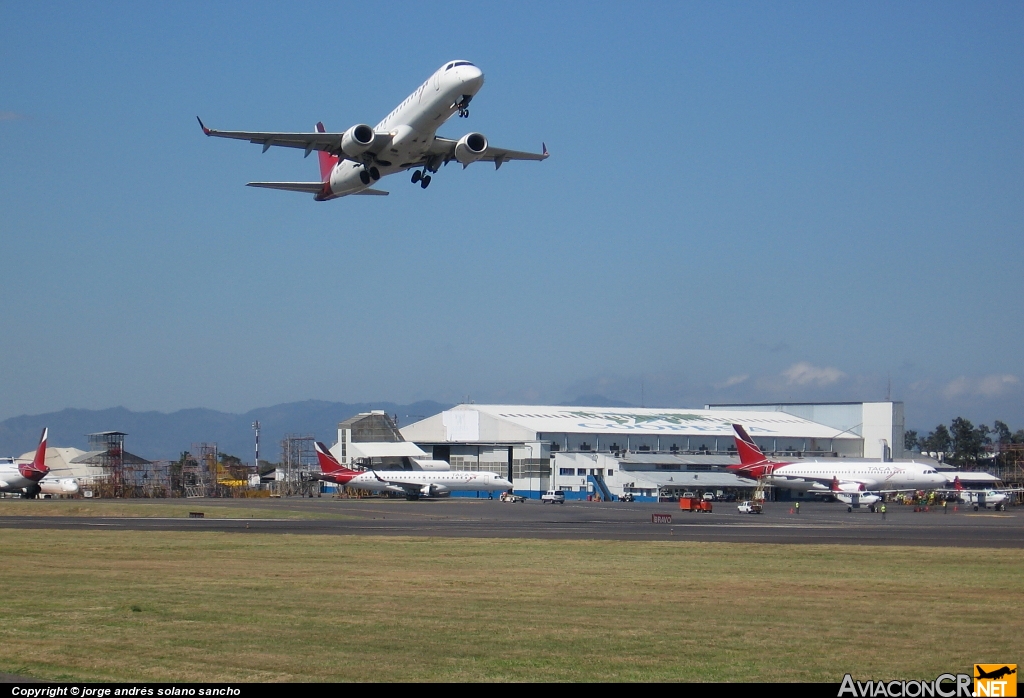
694 504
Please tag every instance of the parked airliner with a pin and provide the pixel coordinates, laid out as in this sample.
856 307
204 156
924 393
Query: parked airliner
24 478
351 161
838 475
413 484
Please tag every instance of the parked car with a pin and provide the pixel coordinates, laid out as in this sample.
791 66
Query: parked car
709 497
689 495
511 497
553 496
749 507
628 497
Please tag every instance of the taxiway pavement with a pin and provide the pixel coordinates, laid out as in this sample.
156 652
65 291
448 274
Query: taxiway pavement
482 518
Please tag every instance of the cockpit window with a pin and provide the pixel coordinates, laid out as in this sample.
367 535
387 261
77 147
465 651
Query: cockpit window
456 64
448 67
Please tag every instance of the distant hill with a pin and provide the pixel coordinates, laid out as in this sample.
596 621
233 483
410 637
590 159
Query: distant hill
160 436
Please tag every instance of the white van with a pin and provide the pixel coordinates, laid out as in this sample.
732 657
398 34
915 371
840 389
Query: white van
553 496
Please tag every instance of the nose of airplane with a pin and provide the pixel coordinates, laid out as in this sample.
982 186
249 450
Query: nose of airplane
471 76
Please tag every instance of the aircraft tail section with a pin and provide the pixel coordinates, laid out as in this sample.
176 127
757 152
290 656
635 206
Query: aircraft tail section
37 469
957 485
753 463
749 452
327 161
330 466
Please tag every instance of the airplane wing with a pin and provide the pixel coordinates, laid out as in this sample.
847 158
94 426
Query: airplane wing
327 142
445 147
308 187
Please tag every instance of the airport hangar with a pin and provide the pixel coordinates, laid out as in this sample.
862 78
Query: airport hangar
648 453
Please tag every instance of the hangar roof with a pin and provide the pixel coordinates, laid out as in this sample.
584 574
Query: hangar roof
510 423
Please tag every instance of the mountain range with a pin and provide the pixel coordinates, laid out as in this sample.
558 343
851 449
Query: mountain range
163 436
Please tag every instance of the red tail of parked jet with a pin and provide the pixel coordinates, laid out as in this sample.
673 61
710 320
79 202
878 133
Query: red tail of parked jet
957 485
753 463
37 469
332 470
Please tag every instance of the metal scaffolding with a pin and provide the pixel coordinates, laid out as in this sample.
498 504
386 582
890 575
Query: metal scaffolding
298 464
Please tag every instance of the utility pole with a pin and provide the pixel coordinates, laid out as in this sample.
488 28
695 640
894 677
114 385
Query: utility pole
256 428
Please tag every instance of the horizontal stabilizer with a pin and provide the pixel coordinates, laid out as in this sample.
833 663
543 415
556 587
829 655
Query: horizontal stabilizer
307 187
373 192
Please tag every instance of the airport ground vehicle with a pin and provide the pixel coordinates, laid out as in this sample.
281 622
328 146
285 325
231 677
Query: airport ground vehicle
708 497
749 507
553 497
511 497
627 498
694 504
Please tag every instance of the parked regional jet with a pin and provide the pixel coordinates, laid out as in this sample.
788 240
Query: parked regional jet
413 484
351 161
24 478
838 475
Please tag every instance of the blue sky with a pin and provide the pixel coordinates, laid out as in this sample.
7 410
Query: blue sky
744 202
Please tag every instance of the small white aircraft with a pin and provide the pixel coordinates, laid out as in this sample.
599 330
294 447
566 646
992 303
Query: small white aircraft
351 161
24 478
411 483
981 499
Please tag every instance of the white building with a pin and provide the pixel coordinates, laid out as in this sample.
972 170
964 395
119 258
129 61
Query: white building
601 451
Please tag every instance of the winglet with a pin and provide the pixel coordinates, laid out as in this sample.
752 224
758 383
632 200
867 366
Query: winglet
203 126
544 148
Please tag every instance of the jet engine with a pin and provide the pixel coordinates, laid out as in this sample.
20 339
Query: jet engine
356 140
470 148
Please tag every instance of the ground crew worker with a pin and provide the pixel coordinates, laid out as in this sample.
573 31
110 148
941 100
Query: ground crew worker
798 507
944 511
883 512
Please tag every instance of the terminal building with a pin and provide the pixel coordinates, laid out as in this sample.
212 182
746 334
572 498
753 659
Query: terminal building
601 452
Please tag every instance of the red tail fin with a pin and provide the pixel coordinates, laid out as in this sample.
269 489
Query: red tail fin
835 484
750 454
37 469
957 485
329 465
327 161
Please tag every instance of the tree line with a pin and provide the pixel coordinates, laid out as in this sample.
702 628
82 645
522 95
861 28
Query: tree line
962 442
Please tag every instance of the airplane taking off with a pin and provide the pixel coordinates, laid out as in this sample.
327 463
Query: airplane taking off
413 484
836 475
23 478
351 161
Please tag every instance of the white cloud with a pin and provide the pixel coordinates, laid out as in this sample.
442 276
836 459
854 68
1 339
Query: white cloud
10 116
986 386
804 373
733 380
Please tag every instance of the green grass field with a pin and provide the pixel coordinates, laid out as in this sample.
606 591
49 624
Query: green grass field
122 605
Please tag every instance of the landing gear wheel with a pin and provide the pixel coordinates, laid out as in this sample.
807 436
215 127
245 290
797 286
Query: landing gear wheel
375 173
364 176
416 176
425 182
849 510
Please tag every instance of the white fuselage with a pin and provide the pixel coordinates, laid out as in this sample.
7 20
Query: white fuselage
413 125
810 475
428 482
991 498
